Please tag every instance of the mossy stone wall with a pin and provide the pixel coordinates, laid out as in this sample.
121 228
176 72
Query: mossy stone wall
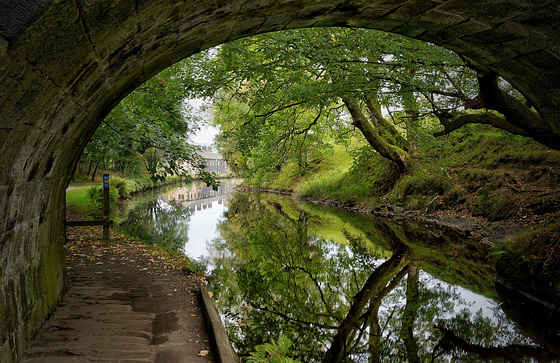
32 266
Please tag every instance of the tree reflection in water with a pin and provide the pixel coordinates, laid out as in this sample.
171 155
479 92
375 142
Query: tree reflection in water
367 301
156 221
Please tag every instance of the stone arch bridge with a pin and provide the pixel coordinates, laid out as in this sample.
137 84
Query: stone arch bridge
64 64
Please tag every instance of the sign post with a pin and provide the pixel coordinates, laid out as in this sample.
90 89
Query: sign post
106 232
105 222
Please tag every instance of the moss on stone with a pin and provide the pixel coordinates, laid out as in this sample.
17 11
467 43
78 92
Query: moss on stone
51 269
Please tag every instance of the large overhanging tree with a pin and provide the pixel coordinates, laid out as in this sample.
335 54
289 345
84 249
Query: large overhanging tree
287 87
275 93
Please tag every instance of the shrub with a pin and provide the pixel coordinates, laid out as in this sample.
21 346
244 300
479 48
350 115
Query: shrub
124 187
95 195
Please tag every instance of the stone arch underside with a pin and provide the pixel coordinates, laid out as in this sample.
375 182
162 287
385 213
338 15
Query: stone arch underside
65 64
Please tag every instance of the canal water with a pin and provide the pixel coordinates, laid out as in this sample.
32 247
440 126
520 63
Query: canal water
325 284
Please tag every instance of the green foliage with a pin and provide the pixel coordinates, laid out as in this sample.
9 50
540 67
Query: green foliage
278 97
124 186
273 352
280 101
95 195
147 133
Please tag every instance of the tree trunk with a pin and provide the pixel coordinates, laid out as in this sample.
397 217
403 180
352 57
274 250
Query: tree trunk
516 113
89 167
409 315
374 341
94 171
375 331
475 118
384 148
411 115
381 123
376 282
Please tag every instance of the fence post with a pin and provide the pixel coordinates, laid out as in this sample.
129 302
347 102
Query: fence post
106 232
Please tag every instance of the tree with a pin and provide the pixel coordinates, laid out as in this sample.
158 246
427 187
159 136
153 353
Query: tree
148 131
274 93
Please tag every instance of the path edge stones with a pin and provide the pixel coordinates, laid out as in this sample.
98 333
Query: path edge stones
224 352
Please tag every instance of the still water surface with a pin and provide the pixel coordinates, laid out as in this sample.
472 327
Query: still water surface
343 287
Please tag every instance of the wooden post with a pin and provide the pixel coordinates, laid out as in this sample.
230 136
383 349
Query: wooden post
106 232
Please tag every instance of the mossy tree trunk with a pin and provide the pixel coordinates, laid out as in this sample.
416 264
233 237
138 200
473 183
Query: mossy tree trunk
374 131
515 116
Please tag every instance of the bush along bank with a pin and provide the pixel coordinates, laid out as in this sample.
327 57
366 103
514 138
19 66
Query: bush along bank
88 200
500 188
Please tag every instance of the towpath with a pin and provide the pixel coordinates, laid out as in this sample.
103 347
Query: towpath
126 302
76 186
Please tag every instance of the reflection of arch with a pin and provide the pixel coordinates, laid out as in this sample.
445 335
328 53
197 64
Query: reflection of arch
65 64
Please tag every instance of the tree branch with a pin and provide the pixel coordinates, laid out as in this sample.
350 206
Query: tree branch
375 283
485 119
293 320
314 281
266 114
512 353
516 113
